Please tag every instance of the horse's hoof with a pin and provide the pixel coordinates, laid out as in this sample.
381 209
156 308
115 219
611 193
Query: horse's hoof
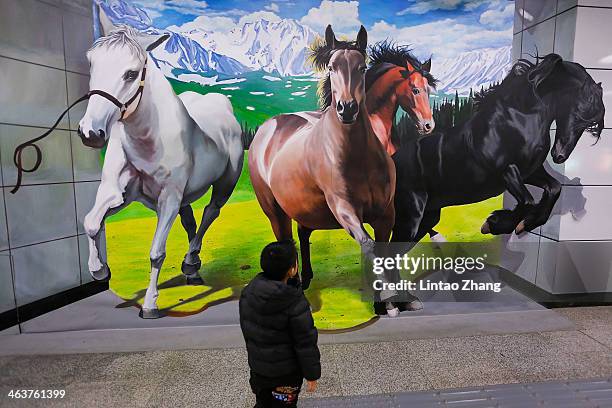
393 312
101 275
150 314
485 229
194 280
520 228
189 269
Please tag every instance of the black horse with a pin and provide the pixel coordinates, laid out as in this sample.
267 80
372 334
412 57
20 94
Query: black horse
502 147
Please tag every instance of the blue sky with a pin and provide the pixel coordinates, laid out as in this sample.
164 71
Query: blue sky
446 26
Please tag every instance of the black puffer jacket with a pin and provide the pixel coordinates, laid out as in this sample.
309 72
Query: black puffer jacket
280 336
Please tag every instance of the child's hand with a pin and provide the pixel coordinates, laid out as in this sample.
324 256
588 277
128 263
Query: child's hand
311 386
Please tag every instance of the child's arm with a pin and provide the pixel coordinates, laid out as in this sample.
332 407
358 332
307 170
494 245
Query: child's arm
305 337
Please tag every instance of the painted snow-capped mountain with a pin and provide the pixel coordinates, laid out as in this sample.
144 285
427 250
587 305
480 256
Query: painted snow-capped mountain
272 46
178 51
472 69
281 47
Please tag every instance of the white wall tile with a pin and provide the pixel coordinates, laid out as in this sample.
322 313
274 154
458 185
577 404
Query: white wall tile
78 37
516 46
7 297
582 213
78 85
4 243
592 27
40 213
85 198
565 34
536 11
87 161
574 266
538 38
31 31
520 255
39 98
605 77
563 5
45 269
56 165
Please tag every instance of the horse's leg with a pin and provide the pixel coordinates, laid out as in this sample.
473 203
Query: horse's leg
505 221
539 214
304 236
409 209
110 198
190 270
221 191
168 205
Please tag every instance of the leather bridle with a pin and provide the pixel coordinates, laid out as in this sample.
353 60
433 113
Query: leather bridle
123 107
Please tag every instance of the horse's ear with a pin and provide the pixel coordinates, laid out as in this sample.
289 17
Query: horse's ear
362 39
427 65
150 42
330 37
543 70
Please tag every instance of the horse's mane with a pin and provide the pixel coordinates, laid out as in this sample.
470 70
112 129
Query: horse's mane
320 54
123 36
389 52
488 96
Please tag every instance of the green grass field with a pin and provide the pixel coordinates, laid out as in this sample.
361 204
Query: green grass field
231 248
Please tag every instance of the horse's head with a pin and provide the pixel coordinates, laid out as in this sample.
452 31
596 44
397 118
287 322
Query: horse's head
413 96
577 101
117 75
347 67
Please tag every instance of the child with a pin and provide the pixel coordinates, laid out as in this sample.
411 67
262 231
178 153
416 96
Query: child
277 325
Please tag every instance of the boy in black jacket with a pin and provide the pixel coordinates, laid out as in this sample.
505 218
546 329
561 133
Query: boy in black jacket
277 325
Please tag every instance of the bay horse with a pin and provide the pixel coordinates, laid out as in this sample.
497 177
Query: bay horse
502 147
163 151
326 170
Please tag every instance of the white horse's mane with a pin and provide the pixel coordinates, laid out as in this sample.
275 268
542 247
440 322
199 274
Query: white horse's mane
123 36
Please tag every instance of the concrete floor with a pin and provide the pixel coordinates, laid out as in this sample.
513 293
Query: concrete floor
219 377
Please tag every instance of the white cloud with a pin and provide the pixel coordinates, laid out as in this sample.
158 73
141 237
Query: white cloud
342 15
207 23
443 38
424 6
258 15
272 7
180 6
496 17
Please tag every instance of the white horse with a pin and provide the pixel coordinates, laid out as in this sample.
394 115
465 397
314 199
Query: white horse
163 151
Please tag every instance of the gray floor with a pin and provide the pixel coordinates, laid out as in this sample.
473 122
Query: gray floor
219 377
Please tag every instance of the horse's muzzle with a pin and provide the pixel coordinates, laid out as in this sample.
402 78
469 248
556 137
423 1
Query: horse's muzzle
93 139
347 111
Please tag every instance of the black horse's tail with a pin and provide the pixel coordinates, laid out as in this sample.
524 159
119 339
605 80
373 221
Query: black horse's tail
248 133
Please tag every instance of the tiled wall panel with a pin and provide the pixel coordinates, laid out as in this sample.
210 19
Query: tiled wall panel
43 68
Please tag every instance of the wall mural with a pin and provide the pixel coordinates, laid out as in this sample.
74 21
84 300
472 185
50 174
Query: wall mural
223 77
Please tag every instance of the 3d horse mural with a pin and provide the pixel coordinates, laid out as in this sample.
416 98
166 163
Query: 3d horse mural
502 147
163 151
326 170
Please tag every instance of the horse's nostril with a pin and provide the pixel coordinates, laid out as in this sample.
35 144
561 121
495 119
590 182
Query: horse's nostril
101 133
427 126
92 134
340 107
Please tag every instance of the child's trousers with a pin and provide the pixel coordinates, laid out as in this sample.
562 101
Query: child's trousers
285 396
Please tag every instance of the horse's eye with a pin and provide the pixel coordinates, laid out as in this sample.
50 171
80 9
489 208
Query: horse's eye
130 75
416 91
329 68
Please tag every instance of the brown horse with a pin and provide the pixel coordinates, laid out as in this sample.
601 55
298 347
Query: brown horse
397 78
326 170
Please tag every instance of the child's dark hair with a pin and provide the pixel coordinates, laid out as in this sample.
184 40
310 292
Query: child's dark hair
277 258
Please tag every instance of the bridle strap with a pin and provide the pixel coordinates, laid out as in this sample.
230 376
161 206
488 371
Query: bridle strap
123 107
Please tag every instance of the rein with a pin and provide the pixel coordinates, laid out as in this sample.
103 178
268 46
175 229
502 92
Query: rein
123 107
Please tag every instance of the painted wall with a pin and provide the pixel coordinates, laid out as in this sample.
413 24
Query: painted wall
573 251
42 68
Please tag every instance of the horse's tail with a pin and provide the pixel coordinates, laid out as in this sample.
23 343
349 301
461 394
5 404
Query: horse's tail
248 133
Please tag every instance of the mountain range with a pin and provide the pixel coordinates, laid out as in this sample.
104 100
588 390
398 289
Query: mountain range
281 47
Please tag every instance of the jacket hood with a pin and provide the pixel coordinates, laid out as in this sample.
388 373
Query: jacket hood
269 296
